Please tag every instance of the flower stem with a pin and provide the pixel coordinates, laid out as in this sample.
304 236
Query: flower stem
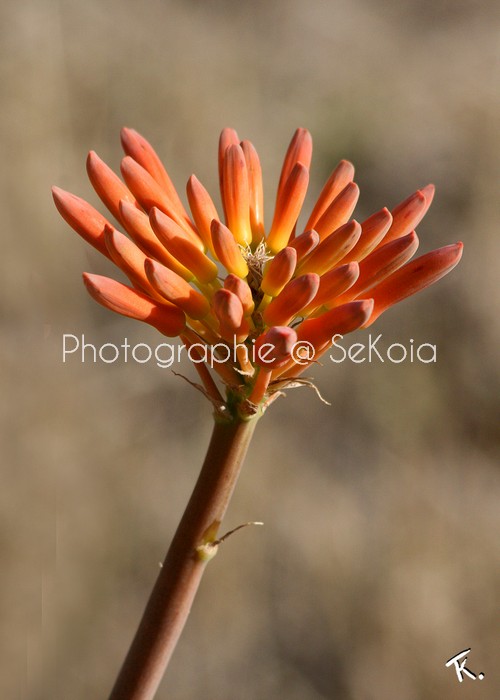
172 596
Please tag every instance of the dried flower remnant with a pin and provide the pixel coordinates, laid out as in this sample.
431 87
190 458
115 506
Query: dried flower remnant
278 279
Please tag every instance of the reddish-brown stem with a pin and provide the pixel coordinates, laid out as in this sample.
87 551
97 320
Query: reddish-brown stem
172 596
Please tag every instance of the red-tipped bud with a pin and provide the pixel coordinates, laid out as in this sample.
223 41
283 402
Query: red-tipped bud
428 191
180 246
202 208
229 310
107 184
297 294
236 194
227 250
413 277
149 194
340 177
288 207
136 146
332 284
137 224
333 249
82 218
278 271
256 196
129 258
305 243
343 319
176 290
168 319
373 231
408 214
236 285
228 137
299 151
274 347
380 264
339 211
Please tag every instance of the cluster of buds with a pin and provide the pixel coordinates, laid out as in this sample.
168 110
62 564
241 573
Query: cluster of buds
277 298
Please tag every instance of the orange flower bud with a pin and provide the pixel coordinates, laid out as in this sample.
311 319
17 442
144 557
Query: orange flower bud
299 151
297 294
338 212
202 208
229 310
108 186
340 177
150 194
274 347
137 224
413 277
428 191
228 137
236 285
332 284
278 271
288 208
373 230
255 191
304 244
343 319
82 218
408 214
174 238
168 319
176 290
136 146
332 249
129 258
236 195
380 264
227 250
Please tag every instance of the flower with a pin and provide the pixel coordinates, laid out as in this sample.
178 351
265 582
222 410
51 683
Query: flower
223 281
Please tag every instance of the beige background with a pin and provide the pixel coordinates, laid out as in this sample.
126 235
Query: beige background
379 556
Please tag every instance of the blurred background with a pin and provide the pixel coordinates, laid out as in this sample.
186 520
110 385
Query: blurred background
379 559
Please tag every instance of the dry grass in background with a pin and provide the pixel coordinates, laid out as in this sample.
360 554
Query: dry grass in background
379 555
